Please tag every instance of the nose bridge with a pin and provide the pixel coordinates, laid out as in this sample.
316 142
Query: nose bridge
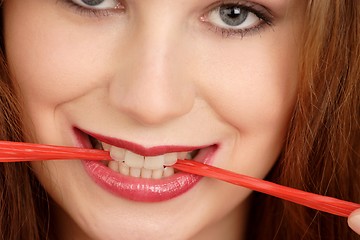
150 87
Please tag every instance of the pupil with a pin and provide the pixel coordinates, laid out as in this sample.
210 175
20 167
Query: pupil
233 15
92 2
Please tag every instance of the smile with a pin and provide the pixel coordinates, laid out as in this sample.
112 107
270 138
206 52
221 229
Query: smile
131 164
139 173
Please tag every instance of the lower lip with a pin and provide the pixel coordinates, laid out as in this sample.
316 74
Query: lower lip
137 189
145 190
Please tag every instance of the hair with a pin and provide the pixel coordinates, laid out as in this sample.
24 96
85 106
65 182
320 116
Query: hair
24 207
321 153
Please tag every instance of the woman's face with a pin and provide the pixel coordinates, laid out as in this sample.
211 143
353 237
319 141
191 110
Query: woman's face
152 81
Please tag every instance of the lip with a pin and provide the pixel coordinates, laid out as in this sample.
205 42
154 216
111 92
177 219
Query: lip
139 189
141 150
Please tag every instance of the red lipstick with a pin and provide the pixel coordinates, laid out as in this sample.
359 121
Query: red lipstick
140 189
141 150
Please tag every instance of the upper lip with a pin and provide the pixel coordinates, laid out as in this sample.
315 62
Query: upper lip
141 150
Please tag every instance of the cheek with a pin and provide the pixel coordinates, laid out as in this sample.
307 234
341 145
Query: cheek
254 92
45 66
254 87
259 101
51 60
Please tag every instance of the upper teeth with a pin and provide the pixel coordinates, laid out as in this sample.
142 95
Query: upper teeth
130 163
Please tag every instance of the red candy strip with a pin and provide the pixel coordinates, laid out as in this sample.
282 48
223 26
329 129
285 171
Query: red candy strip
311 200
21 152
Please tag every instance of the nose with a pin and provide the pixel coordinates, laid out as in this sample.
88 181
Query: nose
151 84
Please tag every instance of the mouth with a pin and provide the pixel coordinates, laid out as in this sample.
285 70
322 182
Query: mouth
129 163
141 173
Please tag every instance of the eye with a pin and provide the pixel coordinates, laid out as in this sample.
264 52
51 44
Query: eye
236 18
233 16
98 4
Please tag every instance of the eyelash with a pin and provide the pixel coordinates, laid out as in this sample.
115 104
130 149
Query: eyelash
264 15
91 12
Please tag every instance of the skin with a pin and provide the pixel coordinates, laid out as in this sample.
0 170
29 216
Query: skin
152 75
354 221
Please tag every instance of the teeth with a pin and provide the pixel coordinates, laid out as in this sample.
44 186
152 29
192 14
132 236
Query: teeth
150 167
134 160
157 174
135 172
105 146
168 171
146 173
181 155
153 163
114 165
123 168
117 154
170 159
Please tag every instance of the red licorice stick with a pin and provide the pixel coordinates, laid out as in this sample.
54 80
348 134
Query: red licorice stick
315 201
22 152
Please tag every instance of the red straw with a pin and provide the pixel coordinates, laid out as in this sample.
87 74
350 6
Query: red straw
20 152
